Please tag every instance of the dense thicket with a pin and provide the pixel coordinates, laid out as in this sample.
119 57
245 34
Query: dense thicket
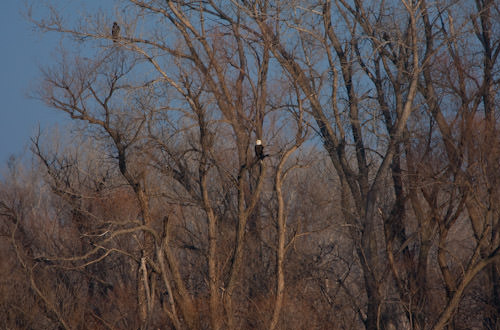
376 206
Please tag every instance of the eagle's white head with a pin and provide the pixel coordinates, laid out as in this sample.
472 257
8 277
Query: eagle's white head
258 142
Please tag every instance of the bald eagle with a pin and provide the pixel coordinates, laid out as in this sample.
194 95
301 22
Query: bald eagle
115 31
259 150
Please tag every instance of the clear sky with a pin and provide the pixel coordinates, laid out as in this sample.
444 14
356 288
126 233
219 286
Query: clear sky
23 51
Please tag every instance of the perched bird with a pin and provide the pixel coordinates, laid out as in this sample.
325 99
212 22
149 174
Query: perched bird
115 31
259 150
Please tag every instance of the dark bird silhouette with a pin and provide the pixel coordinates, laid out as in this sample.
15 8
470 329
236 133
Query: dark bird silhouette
259 150
115 31
44 260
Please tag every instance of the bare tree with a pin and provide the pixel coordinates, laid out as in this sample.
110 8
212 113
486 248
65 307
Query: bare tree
158 190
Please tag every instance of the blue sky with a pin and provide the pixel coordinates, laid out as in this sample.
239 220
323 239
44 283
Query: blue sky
23 51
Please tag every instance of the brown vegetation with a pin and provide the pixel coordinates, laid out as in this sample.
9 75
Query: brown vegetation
377 206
